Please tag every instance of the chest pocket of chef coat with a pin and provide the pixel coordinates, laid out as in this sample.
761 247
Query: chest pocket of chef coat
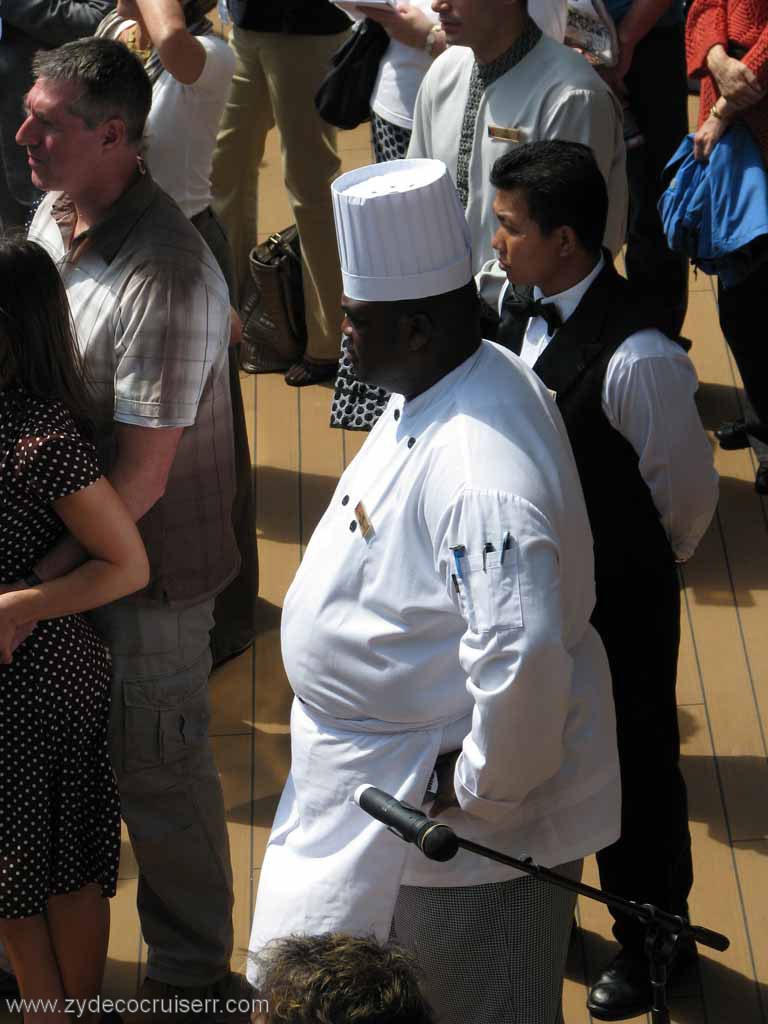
489 597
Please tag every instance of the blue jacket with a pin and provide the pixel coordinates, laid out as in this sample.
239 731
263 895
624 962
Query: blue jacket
717 213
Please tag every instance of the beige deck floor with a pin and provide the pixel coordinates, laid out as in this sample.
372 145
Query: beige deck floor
723 682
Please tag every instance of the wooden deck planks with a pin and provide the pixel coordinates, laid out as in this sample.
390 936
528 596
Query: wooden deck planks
723 680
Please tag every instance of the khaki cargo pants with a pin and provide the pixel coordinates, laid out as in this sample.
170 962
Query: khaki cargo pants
172 800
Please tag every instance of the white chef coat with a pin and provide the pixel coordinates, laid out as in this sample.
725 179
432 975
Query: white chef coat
648 396
394 660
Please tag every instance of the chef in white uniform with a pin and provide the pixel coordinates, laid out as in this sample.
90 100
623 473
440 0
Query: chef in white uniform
442 608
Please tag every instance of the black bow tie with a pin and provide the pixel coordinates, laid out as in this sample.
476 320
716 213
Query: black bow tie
525 306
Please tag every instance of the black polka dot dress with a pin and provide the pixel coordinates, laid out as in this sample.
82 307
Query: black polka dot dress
59 808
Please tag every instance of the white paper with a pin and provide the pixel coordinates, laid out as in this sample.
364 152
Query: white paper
358 7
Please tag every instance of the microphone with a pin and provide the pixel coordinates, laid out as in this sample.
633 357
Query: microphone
436 841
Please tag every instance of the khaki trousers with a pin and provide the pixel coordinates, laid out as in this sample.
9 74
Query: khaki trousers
276 77
170 791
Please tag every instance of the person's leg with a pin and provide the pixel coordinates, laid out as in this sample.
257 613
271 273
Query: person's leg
490 954
28 944
741 309
658 97
78 923
170 789
239 151
235 608
294 67
651 861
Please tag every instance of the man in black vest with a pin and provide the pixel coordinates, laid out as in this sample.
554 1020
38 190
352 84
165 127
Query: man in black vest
626 393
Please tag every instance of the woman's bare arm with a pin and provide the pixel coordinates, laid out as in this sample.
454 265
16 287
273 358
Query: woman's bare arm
117 564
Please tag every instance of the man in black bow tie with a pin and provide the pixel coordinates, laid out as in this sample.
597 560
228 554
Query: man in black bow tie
626 393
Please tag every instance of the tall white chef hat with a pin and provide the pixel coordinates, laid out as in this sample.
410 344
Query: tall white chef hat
401 231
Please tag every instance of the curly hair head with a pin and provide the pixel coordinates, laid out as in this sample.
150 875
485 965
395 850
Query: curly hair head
341 979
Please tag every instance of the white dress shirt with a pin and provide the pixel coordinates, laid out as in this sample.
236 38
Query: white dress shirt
648 396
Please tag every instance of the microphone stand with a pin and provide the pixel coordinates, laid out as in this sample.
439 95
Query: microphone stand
664 930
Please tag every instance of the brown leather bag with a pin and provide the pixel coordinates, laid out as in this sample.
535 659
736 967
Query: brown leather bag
272 308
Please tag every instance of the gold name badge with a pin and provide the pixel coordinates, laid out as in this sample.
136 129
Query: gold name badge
365 524
504 134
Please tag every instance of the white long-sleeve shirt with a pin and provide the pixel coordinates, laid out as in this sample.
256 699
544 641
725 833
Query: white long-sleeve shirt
388 625
648 396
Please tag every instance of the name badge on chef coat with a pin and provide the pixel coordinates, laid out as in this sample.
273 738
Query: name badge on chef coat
365 524
499 134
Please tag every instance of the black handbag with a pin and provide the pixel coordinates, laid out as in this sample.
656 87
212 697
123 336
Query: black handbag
344 96
272 309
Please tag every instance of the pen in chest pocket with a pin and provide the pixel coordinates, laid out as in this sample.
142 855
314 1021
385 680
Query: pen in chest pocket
458 553
506 544
487 548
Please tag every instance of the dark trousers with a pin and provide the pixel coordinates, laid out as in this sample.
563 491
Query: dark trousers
658 97
742 309
17 194
235 609
639 622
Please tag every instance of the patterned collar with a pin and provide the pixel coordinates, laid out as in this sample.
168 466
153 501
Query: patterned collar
522 46
482 76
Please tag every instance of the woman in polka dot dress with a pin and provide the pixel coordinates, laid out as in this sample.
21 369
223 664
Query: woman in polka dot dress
59 810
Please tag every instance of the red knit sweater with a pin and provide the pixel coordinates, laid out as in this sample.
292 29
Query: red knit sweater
744 22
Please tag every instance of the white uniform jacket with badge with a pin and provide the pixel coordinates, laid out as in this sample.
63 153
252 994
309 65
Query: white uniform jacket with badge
443 602
553 93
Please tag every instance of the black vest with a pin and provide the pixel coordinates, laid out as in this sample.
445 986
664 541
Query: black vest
627 531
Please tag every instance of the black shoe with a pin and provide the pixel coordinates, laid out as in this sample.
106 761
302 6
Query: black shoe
623 990
9 987
761 479
732 436
685 343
